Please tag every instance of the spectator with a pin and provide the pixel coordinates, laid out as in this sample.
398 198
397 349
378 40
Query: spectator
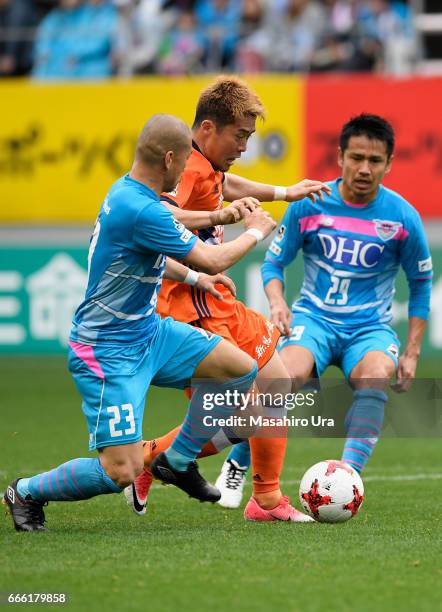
252 16
392 24
98 39
219 22
289 35
142 26
338 47
183 47
17 23
55 38
334 52
248 59
75 41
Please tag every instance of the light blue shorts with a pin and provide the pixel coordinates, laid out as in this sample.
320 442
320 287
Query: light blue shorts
113 380
332 344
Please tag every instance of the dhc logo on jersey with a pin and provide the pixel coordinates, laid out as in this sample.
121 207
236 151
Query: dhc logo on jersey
349 251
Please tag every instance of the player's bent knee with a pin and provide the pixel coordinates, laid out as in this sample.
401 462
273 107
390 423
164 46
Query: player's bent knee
124 475
226 361
237 363
121 475
299 363
375 371
124 480
122 471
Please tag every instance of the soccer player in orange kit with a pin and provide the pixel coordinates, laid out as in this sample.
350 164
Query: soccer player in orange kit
225 119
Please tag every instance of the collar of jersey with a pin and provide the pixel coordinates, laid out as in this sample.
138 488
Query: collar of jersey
337 195
150 191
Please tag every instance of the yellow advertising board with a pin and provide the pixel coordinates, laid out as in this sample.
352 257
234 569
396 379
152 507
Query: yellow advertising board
63 145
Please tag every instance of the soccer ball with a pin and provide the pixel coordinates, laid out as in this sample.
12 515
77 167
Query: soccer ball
331 491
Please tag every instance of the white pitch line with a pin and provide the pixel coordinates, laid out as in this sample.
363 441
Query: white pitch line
398 478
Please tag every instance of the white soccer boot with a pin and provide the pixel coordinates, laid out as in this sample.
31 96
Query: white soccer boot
231 483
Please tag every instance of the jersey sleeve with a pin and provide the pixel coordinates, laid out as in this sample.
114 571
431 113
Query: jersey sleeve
416 262
156 229
284 246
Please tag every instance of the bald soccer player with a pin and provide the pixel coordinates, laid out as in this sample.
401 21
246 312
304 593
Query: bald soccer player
119 345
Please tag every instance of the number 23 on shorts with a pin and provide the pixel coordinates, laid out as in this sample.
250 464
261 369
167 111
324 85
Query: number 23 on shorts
116 420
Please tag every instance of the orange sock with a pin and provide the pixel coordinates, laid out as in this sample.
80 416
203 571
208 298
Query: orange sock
267 463
154 447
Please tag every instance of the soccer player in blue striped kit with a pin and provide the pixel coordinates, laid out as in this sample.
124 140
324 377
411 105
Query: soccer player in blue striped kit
119 345
353 243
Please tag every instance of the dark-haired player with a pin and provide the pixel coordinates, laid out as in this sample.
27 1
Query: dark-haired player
353 244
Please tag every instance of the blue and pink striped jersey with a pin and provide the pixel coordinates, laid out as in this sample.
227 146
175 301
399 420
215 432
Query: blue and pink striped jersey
352 254
133 234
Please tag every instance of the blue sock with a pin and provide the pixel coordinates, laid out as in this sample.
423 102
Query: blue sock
241 454
193 434
71 481
363 424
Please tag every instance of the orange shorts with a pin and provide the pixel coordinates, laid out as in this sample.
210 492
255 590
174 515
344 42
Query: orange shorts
247 329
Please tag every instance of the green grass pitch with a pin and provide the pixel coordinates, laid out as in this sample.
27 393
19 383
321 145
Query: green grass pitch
188 556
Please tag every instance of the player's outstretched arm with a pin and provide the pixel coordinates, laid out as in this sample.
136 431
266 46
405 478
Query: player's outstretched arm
178 272
280 313
237 187
199 219
216 258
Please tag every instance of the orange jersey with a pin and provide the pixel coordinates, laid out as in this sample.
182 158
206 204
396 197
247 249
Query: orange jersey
200 188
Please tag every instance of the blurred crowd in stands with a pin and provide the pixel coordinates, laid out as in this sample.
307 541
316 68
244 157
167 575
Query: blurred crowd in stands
95 39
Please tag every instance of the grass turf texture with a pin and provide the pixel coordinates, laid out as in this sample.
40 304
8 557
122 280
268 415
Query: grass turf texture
191 556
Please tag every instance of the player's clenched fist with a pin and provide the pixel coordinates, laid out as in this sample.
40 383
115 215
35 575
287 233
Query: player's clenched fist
261 220
237 210
307 189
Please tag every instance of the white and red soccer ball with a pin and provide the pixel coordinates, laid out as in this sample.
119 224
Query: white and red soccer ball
331 491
